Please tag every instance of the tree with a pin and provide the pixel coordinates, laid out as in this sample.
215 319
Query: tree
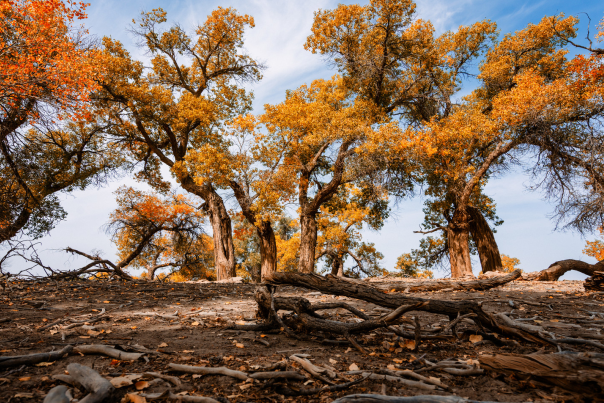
193 86
153 232
509 263
315 136
339 223
45 163
408 265
45 67
463 145
237 163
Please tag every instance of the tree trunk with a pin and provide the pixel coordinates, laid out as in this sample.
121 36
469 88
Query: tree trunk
224 252
268 249
490 259
558 269
308 243
337 268
151 272
459 253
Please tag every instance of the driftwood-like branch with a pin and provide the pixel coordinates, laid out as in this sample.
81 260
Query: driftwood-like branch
167 395
108 351
58 394
189 369
558 269
100 388
14 361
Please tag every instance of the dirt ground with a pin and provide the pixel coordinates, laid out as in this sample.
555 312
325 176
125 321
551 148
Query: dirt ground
193 331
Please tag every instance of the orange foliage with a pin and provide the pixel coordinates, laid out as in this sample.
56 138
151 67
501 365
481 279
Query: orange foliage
595 248
43 58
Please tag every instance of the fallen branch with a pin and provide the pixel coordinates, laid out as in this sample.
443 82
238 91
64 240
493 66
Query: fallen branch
108 351
58 394
437 285
284 390
558 269
172 379
100 388
398 379
291 375
14 361
189 369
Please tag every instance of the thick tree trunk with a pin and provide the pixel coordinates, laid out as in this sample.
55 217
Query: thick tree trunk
151 272
459 253
268 249
337 266
224 252
11 230
308 243
488 251
558 269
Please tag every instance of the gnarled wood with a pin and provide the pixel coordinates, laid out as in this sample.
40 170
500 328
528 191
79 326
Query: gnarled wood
436 285
558 269
488 251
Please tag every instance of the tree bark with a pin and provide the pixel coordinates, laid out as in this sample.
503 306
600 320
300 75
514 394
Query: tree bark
308 242
268 249
436 285
459 252
337 268
558 269
224 251
488 251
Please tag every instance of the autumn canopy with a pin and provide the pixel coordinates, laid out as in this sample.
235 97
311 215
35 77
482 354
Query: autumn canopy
292 188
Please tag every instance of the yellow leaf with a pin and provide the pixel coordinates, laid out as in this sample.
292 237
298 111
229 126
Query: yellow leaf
25 378
195 324
44 364
475 338
140 385
353 367
239 345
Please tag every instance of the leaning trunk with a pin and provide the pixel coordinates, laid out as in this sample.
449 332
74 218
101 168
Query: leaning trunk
308 243
490 259
337 267
268 249
224 253
459 253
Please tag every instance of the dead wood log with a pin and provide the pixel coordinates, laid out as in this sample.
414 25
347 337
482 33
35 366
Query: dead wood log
576 372
100 388
437 285
14 361
369 398
189 369
106 350
558 269
595 282
359 290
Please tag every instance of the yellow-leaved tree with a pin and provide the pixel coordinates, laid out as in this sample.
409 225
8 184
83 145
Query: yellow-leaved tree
159 115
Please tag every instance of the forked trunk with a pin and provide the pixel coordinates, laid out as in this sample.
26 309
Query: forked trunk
490 259
308 243
337 267
151 272
268 249
224 254
459 253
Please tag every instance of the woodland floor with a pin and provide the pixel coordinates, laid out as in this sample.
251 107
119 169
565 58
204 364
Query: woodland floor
202 339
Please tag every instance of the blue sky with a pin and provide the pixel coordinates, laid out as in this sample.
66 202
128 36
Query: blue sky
277 40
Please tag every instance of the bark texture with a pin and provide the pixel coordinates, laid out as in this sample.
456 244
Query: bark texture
558 269
308 242
222 232
436 285
459 252
488 251
268 249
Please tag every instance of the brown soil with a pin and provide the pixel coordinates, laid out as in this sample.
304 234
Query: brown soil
202 339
